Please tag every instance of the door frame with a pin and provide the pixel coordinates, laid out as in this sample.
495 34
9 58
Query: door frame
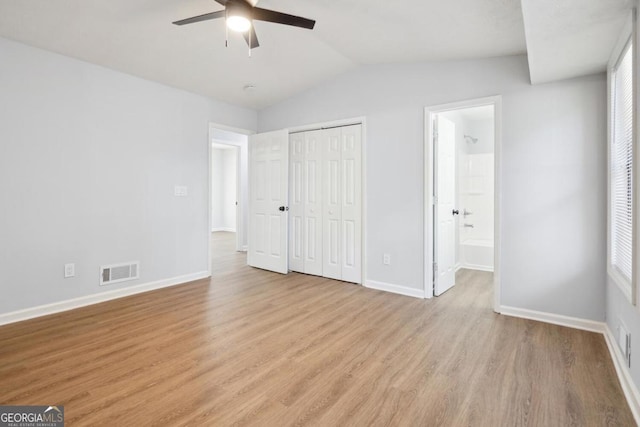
429 182
240 210
362 121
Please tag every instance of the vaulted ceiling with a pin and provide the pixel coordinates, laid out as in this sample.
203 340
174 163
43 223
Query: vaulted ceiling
137 37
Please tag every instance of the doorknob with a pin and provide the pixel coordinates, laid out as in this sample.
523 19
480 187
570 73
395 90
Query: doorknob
455 212
283 208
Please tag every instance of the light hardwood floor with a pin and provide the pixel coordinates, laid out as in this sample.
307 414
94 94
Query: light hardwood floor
257 348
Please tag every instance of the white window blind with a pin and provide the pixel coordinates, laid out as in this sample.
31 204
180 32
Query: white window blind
622 165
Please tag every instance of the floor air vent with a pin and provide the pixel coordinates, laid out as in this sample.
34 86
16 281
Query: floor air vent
117 273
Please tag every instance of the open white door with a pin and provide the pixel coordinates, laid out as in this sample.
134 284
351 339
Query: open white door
445 232
268 201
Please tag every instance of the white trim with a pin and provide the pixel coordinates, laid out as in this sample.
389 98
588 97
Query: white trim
219 126
245 248
330 124
396 289
626 382
496 101
475 267
229 229
60 306
555 319
627 35
363 189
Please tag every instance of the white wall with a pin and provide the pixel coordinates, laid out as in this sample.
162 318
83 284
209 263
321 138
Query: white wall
484 130
88 162
553 173
223 189
217 189
230 165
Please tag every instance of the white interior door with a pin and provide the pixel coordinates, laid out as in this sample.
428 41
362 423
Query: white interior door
445 174
313 203
351 241
305 198
296 203
332 218
268 201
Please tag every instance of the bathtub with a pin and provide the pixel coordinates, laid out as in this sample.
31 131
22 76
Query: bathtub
476 254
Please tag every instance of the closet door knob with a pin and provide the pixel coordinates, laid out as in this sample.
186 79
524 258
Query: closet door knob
283 208
455 212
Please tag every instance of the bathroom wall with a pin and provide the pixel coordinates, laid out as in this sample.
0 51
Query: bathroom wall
474 181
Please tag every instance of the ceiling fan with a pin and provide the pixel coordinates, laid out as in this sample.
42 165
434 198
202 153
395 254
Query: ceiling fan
240 14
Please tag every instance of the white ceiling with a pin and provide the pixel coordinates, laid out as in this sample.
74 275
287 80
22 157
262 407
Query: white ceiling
569 38
137 37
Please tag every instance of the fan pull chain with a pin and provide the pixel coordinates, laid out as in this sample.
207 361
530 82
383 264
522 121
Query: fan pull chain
250 40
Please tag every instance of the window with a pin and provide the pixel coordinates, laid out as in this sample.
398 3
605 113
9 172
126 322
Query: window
621 170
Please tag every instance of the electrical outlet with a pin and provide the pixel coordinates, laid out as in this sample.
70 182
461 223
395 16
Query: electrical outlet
624 341
386 259
69 270
180 191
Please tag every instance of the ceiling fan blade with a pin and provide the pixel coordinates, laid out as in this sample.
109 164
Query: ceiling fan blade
253 40
282 18
222 2
205 17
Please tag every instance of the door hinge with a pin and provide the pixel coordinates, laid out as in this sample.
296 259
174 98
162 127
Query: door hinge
435 267
435 200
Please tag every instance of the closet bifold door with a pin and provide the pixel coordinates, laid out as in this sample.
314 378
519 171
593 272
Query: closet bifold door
351 201
296 202
332 192
305 203
313 203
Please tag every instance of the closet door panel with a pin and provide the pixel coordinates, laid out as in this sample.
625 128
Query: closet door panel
313 203
351 204
296 202
332 206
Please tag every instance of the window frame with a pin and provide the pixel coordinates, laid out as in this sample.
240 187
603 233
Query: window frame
627 40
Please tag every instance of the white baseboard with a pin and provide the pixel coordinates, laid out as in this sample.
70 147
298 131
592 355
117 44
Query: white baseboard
556 319
628 386
396 289
229 229
57 307
477 267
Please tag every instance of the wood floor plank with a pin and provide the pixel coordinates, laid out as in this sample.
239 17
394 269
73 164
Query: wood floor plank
250 347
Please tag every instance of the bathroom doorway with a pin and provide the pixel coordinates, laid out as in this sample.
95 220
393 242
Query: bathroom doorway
461 208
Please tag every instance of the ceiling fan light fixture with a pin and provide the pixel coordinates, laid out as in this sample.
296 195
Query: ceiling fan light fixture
238 23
